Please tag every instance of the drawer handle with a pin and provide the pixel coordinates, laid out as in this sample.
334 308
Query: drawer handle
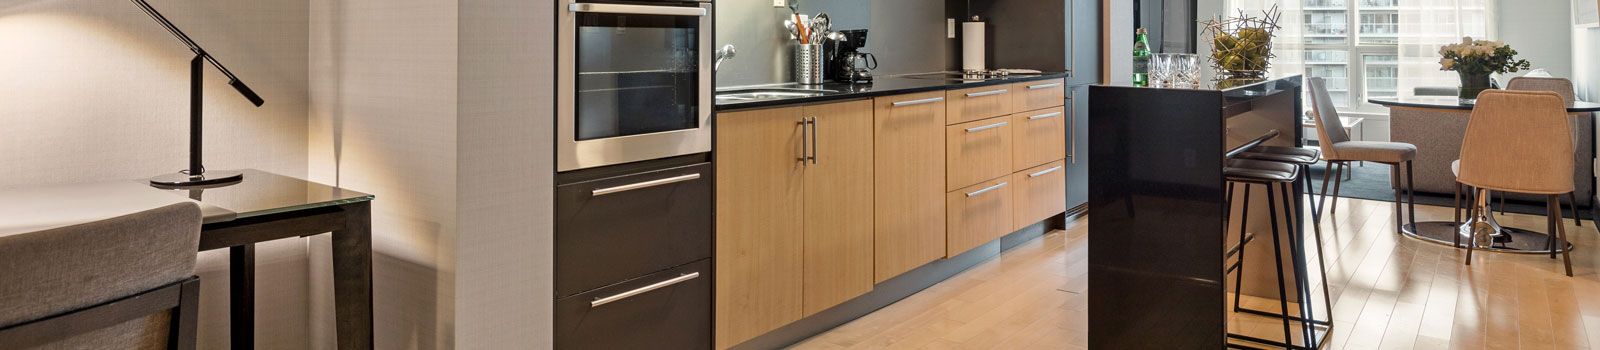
918 102
646 184
987 127
1043 86
988 93
1046 171
1046 115
646 289
986 190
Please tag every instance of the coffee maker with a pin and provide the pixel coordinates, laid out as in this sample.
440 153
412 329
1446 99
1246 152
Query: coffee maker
848 63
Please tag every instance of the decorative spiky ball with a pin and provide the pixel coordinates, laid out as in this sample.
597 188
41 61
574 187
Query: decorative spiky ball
1243 44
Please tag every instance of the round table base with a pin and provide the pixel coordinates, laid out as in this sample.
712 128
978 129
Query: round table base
1520 241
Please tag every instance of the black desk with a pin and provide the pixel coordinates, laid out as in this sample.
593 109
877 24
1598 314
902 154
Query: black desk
264 207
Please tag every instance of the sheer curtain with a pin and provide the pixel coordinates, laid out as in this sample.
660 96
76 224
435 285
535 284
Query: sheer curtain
1425 25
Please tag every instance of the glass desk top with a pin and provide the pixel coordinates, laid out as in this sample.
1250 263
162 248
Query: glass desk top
263 193
27 209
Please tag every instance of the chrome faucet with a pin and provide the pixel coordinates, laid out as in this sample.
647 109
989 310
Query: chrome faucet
726 53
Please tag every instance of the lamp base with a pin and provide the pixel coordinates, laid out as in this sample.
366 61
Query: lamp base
214 178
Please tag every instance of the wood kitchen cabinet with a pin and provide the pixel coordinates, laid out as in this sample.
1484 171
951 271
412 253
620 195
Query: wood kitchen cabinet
794 217
909 182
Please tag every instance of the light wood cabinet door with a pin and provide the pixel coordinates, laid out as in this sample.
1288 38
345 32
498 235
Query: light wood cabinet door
760 238
978 151
1036 95
1041 192
979 214
979 103
838 205
1041 137
908 203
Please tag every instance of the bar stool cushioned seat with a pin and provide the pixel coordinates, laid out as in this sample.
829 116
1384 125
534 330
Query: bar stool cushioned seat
1283 154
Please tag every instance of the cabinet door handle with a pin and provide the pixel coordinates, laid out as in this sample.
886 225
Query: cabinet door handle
646 184
646 289
987 127
1043 86
1046 115
1046 171
918 102
815 139
638 9
986 190
988 93
805 139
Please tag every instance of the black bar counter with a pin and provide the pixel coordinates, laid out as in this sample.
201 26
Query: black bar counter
1156 196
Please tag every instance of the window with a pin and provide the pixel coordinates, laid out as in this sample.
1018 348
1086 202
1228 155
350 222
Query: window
1356 45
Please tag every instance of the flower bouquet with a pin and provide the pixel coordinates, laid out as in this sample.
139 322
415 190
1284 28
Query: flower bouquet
1476 60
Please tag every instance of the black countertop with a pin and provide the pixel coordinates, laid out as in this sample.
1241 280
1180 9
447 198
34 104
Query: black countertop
881 86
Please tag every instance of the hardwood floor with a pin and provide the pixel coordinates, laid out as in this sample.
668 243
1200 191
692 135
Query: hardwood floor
1389 292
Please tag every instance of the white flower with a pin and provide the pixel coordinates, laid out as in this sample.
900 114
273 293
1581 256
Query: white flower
1446 64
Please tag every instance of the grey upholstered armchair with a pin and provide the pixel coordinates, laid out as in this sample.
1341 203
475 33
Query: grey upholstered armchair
121 283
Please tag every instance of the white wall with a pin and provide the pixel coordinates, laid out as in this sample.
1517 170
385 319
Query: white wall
96 90
1541 31
442 109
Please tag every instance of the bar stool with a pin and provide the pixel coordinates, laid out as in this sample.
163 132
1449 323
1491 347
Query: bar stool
1278 178
1518 141
1303 158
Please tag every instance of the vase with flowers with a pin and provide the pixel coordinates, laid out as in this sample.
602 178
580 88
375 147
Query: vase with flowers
1476 61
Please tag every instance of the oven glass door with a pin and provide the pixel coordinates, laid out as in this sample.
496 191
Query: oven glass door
636 74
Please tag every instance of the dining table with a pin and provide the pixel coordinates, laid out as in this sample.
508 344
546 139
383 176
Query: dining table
1508 239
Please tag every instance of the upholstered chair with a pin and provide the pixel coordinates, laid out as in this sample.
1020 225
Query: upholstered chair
120 283
1340 151
1583 174
1518 142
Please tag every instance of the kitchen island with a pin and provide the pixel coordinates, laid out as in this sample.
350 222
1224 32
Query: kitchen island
1161 231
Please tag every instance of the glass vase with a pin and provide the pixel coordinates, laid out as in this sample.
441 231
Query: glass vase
1473 83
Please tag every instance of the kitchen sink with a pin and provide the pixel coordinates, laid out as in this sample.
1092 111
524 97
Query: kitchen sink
758 94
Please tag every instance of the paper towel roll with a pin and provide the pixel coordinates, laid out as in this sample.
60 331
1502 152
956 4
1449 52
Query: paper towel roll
972 48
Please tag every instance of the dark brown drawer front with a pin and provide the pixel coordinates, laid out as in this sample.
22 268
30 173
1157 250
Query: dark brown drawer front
666 310
615 229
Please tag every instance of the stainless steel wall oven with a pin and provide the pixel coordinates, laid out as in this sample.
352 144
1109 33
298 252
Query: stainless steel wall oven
634 81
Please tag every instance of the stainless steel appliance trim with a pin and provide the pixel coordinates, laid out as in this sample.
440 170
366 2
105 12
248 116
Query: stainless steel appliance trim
988 93
1046 171
641 290
986 189
651 183
987 127
572 154
638 9
1046 115
918 102
1043 86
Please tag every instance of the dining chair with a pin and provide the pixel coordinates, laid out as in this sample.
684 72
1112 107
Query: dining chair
1563 87
1339 151
121 283
1518 142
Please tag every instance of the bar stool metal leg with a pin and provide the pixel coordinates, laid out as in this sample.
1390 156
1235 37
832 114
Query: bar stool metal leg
1238 276
1277 254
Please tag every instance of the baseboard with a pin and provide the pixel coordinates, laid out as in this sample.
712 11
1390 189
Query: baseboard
891 291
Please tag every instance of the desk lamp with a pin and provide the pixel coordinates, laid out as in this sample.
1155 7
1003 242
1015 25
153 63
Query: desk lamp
196 175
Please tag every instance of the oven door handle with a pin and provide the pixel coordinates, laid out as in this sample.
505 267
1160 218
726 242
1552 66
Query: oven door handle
638 9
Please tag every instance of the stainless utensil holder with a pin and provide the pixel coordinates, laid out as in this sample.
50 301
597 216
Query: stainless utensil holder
808 64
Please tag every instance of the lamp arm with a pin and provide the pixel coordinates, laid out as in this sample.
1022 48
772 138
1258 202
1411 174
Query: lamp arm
201 52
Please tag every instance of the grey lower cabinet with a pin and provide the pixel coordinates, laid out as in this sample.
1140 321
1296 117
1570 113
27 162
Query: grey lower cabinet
1078 147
